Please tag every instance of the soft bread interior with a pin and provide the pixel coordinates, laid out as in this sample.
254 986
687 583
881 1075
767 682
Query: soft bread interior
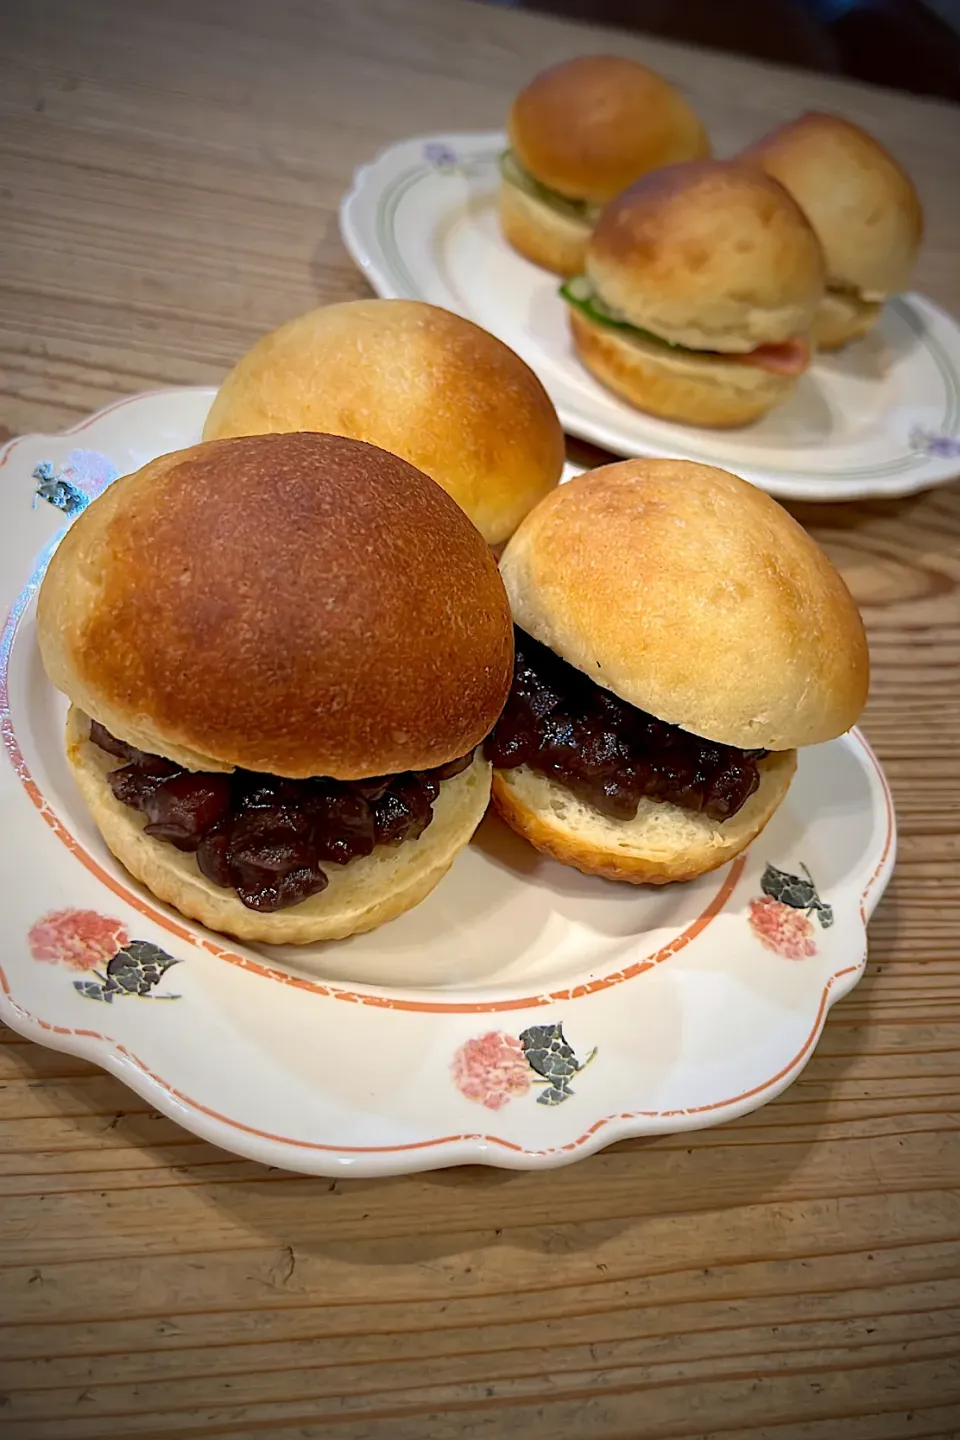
843 317
541 234
360 896
697 389
661 844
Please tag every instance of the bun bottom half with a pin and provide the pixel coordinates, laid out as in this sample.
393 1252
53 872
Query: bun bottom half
360 896
555 242
661 844
675 385
843 317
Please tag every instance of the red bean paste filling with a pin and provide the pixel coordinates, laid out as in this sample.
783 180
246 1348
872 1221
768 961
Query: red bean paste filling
608 753
264 836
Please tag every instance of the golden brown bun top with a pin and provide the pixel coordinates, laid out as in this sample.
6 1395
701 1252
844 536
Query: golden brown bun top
694 596
712 255
861 203
591 126
298 604
416 380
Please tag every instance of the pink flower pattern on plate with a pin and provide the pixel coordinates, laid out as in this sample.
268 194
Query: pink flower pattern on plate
491 1069
782 929
82 939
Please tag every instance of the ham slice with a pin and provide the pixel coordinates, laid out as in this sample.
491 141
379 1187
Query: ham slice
790 358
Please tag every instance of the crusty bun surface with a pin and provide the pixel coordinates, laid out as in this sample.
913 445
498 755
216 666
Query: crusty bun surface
360 896
841 317
695 597
555 241
711 255
662 844
416 380
697 389
296 604
588 127
862 204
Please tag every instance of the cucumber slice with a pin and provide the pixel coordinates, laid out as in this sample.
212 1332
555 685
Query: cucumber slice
514 173
580 293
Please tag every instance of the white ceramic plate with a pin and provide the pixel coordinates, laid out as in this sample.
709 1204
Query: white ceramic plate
523 1016
882 418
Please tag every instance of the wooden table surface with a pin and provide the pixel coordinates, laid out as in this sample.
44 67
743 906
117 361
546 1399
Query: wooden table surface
169 177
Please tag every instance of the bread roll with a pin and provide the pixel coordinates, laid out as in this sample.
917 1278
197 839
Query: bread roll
710 255
695 597
590 126
541 233
695 388
416 380
581 132
663 844
692 596
863 206
296 604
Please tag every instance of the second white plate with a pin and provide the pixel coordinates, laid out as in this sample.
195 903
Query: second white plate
882 418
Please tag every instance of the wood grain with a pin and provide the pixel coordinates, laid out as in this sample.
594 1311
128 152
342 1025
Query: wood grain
169 178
